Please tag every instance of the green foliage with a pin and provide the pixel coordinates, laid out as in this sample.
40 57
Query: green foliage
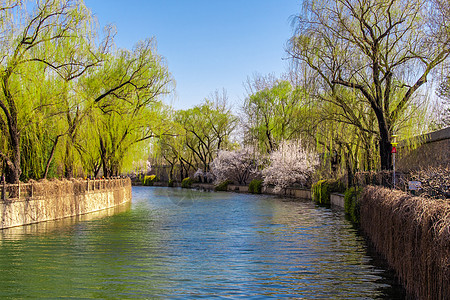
187 183
347 115
255 186
321 192
336 186
351 203
223 186
272 112
150 180
170 183
68 104
205 129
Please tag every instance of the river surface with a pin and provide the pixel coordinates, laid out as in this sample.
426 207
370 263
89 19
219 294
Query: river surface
173 243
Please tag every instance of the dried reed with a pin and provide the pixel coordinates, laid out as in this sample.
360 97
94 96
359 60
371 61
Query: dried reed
413 233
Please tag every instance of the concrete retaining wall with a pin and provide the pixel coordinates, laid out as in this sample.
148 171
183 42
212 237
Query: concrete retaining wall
429 150
64 199
336 199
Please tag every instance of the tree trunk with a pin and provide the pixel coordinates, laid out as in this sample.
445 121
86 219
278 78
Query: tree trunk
68 162
49 160
103 157
12 173
385 147
13 170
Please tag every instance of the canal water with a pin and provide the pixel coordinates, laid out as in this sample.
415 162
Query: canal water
173 243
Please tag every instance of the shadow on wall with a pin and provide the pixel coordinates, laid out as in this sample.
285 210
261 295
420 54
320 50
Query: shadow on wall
429 150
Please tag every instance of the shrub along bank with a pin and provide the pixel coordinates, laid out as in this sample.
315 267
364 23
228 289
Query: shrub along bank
413 233
322 190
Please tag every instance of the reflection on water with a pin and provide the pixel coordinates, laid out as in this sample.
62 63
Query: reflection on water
173 243
21 232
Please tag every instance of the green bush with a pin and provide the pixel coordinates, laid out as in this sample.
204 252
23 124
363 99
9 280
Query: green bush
223 186
186 183
170 183
321 192
255 187
336 186
351 203
149 180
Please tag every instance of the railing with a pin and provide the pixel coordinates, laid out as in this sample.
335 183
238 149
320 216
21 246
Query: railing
46 188
431 182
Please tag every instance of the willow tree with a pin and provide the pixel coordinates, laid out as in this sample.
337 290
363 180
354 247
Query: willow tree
126 92
272 112
170 148
207 128
32 38
379 50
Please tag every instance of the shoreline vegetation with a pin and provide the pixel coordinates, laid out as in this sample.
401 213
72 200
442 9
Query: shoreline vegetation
72 104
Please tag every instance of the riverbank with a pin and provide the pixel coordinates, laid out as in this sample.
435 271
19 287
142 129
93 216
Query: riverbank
413 234
24 204
336 200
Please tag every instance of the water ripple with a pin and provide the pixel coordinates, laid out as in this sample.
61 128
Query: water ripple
221 245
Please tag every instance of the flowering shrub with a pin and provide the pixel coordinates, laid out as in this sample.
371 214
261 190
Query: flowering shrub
238 166
291 163
200 176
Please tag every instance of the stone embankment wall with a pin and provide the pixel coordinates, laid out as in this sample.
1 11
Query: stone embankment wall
336 200
51 200
429 150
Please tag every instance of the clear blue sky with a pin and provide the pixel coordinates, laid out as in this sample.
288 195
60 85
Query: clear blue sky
208 44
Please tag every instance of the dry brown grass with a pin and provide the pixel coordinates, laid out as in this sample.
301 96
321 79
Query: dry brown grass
413 233
47 188
435 182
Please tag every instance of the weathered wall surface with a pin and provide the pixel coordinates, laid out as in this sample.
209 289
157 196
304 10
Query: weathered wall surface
434 151
64 199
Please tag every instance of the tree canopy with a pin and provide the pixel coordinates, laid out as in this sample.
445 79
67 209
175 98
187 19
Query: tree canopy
372 56
59 80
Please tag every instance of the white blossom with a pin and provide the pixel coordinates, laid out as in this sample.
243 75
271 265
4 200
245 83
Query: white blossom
198 174
291 163
238 165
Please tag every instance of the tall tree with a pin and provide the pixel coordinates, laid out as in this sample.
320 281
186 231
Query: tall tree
37 38
379 50
207 129
272 112
127 91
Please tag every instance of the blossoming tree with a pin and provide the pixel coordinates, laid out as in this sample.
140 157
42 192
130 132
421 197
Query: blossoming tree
291 163
238 165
